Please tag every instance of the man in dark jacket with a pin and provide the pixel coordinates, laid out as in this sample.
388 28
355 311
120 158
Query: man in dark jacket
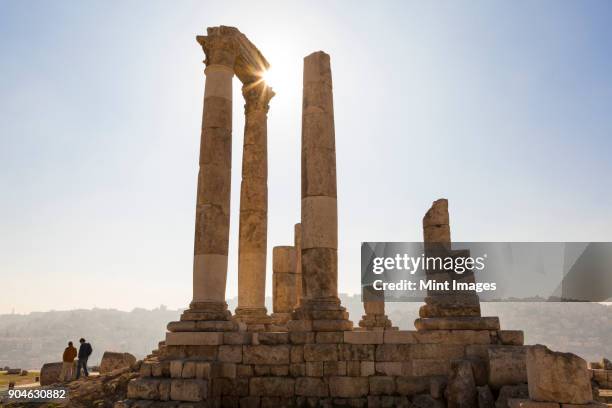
84 353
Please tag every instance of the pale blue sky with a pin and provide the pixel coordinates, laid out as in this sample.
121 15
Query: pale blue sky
502 107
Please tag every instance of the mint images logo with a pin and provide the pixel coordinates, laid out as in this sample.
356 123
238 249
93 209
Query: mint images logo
496 271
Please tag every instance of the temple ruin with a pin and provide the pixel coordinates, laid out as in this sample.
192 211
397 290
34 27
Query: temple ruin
307 352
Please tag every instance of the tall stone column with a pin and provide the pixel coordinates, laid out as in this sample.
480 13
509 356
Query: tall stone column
254 208
297 243
319 200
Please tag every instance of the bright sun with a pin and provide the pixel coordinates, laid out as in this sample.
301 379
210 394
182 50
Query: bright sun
268 77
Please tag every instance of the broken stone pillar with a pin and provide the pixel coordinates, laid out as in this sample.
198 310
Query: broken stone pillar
319 202
297 243
375 317
447 308
252 242
285 283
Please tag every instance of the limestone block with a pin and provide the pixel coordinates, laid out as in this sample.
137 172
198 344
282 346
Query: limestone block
320 352
557 377
230 353
334 368
353 368
176 368
437 351
279 370
457 323
112 361
437 386
348 387
511 391
311 387
271 338
367 368
143 388
485 397
160 369
165 386
299 326
297 354
360 352
297 369
461 389
318 171
194 338
511 337
319 128
331 325
145 369
319 224
272 386
332 337
429 367
527 403
592 404
188 390
266 354
223 370
314 369
49 373
237 337
393 352
507 365
392 368
382 385
244 370
399 336
202 370
301 337
364 337
261 370
189 369
284 292
409 385
466 337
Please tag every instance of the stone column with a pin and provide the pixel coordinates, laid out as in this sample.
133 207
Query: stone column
214 178
284 285
448 309
252 243
297 243
319 201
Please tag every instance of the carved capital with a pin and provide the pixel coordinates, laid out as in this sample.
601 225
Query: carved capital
257 97
220 46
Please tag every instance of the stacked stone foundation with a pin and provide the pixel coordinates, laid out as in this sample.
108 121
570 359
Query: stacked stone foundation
309 368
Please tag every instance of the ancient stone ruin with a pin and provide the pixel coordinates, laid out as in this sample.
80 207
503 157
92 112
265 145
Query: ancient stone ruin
307 352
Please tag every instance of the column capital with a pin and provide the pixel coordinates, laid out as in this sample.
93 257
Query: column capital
257 96
220 47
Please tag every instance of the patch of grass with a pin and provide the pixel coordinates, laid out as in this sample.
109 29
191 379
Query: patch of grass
29 378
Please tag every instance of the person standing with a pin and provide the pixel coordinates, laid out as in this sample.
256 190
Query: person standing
67 372
84 353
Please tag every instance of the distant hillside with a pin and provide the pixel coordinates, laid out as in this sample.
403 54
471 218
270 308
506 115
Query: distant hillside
28 341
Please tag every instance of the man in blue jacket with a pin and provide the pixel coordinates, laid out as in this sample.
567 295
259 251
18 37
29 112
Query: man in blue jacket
84 353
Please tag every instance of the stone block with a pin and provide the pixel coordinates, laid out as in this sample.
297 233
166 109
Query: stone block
113 361
461 389
426 401
592 404
202 370
437 386
320 352
230 353
297 370
164 389
188 369
331 325
223 370
507 365
527 403
261 370
266 354
511 337
437 351
457 323
511 391
299 326
314 369
367 368
557 377
176 368
390 368
382 385
393 352
188 390
279 370
237 337
429 367
49 373
272 386
244 370
485 397
311 387
353 352
321 212
194 338
410 385
465 337
143 388
297 354
334 368
271 338
348 387
301 337
399 337
145 369
364 337
330 337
